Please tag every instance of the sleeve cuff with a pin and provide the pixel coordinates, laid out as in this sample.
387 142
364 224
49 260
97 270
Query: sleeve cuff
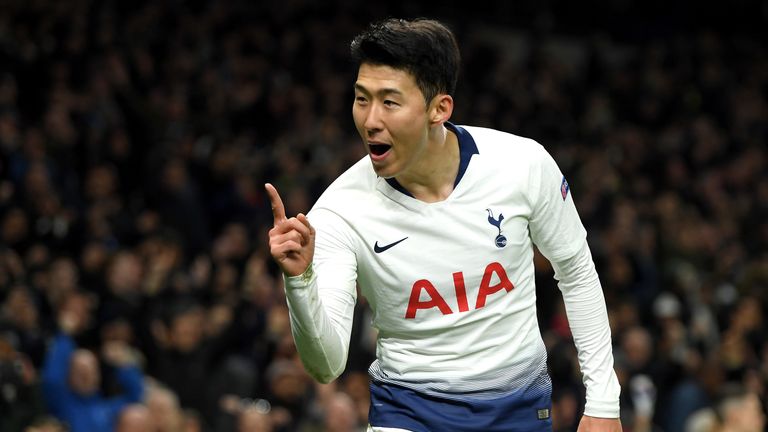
602 408
301 281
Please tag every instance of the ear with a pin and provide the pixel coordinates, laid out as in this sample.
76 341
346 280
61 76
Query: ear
440 109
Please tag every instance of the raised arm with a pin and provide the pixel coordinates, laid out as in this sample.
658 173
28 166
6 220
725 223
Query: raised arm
320 288
291 241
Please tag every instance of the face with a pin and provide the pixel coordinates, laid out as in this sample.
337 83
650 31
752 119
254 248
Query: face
251 420
84 373
750 415
163 409
187 330
134 418
392 118
340 414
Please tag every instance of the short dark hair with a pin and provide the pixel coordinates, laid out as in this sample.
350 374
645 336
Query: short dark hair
425 48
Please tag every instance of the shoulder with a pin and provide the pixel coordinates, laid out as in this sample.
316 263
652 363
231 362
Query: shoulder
352 187
498 150
497 143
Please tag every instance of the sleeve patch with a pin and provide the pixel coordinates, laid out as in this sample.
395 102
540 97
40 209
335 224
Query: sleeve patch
564 188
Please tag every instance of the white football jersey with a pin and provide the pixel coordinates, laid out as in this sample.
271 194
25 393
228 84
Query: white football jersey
451 283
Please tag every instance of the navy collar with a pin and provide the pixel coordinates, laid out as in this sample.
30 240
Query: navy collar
467 148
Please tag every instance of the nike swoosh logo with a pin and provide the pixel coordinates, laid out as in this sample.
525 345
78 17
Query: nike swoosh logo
380 249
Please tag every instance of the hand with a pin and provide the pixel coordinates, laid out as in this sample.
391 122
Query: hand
72 319
291 241
74 313
595 424
118 354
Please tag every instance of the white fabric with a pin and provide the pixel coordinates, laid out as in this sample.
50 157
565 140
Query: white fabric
483 344
588 319
385 429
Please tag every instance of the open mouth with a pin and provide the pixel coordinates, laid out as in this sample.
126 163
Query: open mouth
379 149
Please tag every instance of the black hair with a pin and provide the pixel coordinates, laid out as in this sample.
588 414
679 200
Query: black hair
425 48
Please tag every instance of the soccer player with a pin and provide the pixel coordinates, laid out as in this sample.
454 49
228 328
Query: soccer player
437 225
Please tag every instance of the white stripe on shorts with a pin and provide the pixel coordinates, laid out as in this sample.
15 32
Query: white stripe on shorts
385 429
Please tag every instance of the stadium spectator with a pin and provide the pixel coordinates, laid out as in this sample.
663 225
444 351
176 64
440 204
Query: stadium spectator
21 400
71 377
134 418
740 410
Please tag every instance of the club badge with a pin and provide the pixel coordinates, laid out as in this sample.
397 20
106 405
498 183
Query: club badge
500 240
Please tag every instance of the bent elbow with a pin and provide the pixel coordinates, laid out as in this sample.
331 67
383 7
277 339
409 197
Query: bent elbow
324 377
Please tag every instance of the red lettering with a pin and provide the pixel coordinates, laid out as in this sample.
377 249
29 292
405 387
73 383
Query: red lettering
435 299
461 292
487 289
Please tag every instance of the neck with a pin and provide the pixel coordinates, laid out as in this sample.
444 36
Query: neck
434 176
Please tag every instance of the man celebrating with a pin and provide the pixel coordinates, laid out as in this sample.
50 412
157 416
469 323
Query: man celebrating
71 377
437 226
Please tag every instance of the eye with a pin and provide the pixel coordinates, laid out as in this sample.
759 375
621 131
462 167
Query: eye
390 103
361 100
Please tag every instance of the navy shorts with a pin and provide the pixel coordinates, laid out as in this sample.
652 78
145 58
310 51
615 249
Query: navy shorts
522 411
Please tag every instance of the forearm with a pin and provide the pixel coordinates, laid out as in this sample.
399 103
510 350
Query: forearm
588 319
320 327
56 366
132 381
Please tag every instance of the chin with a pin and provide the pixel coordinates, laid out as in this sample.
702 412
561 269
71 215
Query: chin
383 172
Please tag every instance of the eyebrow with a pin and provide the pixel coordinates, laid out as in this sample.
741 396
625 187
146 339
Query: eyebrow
384 91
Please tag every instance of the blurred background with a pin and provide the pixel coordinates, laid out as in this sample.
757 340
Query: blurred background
135 138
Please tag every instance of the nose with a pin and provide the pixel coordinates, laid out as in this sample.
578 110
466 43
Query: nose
372 123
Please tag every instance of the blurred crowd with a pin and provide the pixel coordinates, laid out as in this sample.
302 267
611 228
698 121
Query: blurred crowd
136 288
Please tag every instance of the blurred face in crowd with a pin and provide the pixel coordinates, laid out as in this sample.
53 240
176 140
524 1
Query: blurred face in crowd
63 277
84 373
14 227
20 309
191 422
187 330
93 257
392 119
638 347
745 415
287 381
125 274
253 420
100 183
164 409
340 415
134 418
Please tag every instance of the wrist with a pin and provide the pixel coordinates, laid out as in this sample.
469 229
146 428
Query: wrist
301 280
306 276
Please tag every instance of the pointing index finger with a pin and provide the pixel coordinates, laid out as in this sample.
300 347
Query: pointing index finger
278 209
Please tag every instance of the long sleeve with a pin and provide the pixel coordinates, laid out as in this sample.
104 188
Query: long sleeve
321 301
56 370
588 318
557 230
132 382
